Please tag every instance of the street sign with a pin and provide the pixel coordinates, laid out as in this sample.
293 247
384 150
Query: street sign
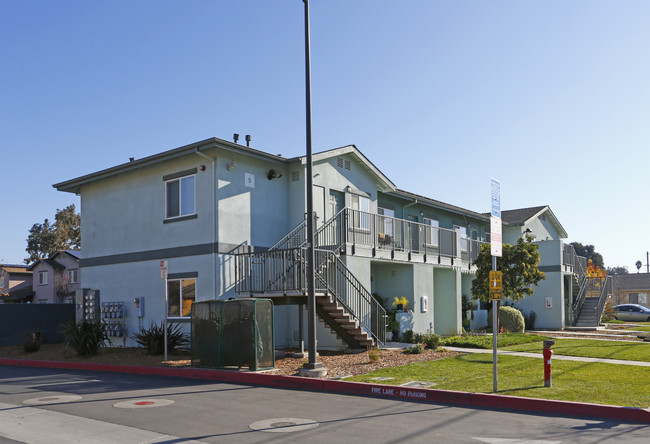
496 240
496 285
164 266
495 186
496 280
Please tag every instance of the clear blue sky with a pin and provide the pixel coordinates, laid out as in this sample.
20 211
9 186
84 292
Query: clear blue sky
550 97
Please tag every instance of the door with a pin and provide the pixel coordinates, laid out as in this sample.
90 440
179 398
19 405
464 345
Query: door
337 203
414 228
319 205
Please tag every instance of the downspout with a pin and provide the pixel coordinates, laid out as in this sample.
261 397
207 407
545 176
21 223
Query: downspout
214 220
415 202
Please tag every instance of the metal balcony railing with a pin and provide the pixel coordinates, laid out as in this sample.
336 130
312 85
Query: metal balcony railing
285 271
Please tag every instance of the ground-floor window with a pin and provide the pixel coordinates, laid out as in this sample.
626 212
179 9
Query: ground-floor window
180 294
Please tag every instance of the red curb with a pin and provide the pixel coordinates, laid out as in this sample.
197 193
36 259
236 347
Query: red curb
568 408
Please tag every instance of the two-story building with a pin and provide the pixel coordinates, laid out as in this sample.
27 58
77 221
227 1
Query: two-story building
230 220
56 278
15 284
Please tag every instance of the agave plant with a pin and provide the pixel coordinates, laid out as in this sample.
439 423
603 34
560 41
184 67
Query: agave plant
153 338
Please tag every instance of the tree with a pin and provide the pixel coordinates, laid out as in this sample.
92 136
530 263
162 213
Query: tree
589 251
519 265
617 270
64 234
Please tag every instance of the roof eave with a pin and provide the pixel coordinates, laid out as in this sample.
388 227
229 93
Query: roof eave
74 185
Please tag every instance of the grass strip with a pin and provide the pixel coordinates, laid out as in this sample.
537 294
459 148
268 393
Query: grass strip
503 340
572 381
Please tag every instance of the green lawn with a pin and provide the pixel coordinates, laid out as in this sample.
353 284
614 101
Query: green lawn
630 351
572 381
503 340
640 328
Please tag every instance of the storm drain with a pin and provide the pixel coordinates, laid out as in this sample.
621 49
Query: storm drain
143 403
55 399
418 384
284 425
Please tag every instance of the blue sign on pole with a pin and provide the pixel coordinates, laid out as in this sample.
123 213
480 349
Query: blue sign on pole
496 197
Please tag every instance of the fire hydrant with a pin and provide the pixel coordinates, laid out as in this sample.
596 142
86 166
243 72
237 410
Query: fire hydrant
548 353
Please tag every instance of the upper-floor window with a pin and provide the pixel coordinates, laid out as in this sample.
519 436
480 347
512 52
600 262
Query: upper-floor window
42 278
181 200
431 231
361 218
180 295
387 220
73 276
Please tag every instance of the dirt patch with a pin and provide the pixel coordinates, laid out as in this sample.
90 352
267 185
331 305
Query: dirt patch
337 363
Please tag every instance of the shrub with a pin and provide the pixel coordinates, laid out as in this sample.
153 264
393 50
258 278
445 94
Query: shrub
85 337
417 338
407 336
608 312
33 341
511 319
373 354
529 320
415 350
431 340
153 339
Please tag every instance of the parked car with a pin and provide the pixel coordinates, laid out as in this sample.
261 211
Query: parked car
632 312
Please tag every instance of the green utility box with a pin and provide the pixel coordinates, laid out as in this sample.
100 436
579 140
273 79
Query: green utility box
233 333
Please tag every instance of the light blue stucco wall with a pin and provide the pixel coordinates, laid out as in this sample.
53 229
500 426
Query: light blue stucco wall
447 301
552 287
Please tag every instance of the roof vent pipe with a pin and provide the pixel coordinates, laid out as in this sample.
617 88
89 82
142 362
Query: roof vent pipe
235 137
248 140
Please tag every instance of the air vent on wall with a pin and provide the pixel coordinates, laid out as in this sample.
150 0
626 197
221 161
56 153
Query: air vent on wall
295 176
347 164
339 162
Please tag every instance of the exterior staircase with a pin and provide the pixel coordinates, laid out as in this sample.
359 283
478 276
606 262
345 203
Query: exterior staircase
588 310
589 317
342 302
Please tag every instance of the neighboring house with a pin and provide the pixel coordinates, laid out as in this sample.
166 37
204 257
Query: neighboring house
231 222
56 278
554 297
632 288
15 284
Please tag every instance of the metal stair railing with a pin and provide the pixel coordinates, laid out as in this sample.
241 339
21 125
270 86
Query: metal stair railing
335 278
285 270
579 301
297 237
269 271
606 290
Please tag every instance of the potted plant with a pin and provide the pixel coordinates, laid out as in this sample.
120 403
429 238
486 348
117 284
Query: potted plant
400 304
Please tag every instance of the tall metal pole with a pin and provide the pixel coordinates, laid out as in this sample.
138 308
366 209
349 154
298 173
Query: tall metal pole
495 333
311 295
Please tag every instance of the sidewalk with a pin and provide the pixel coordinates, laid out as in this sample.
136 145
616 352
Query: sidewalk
555 356
393 345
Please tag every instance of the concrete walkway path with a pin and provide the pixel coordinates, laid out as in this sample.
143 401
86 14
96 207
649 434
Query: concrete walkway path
529 355
555 356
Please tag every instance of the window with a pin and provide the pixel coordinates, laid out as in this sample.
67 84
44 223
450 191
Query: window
180 295
386 222
180 196
73 276
42 278
431 234
633 298
361 218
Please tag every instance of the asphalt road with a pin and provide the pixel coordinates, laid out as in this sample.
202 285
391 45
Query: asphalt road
63 406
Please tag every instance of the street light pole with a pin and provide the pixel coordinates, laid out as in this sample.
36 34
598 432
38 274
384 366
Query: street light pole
312 367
